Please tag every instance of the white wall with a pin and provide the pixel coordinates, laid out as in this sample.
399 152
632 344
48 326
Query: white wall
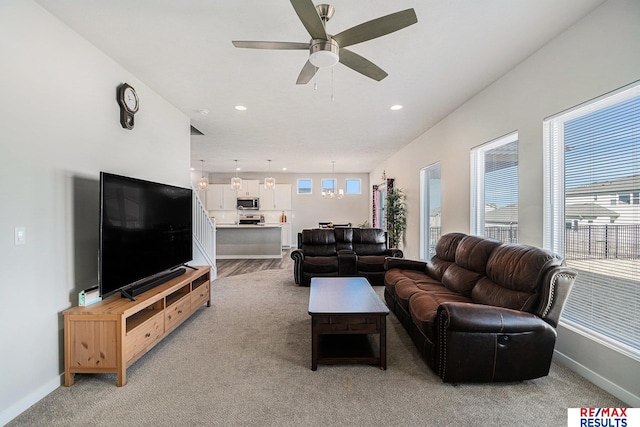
595 56
59 127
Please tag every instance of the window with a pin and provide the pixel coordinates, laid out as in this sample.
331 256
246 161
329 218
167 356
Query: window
592 172
304 186
352 186
328 185
494 189
430 211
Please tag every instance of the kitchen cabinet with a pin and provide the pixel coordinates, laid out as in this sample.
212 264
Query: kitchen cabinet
250 188
286 235
220 197
277 199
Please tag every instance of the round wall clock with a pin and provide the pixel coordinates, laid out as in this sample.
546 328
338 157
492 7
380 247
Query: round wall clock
129 105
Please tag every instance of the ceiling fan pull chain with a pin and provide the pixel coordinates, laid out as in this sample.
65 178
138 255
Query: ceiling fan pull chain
315 80
332 98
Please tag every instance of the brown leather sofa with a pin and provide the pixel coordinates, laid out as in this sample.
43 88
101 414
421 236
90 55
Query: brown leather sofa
481 310
341 251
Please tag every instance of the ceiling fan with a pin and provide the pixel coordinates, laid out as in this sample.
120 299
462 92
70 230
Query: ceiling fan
326 50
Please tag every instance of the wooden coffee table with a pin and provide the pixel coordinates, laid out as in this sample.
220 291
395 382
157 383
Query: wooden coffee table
345 315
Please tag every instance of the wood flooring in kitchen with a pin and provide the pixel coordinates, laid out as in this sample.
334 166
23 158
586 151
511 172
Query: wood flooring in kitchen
234 267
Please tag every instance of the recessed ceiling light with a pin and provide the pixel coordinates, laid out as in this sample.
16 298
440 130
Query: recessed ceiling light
396 107
203 111
240 107
284 169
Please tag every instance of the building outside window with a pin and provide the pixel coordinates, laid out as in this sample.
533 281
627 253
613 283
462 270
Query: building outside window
304 186
592 178
494 189
430 210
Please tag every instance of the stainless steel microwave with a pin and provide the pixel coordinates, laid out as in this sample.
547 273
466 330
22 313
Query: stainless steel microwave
248 203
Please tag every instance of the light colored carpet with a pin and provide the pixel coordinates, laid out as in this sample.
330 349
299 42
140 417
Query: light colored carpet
245 361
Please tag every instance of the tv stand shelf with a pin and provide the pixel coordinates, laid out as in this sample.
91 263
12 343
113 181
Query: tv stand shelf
109 336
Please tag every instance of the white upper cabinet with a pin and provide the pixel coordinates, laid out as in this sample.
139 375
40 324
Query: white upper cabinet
277 199
220 197
250 188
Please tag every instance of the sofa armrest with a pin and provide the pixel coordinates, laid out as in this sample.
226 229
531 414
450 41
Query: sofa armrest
481 343
469 317
554 291
405 264
347 263
298 257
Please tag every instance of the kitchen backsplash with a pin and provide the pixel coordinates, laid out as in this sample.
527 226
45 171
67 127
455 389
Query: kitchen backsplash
229 217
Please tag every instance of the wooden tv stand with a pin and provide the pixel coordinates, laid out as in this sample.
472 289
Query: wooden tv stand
111 335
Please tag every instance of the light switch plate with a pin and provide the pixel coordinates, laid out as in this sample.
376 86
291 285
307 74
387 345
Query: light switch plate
20 236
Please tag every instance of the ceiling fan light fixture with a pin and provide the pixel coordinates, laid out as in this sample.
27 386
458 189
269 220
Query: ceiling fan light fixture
324 53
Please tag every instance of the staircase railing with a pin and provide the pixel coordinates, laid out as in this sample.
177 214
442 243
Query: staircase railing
204 230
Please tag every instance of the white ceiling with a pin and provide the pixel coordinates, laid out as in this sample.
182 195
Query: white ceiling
183 51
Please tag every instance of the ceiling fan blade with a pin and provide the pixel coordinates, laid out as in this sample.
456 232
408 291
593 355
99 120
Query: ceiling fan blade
306 74
271 45
376 28
361 65
310 19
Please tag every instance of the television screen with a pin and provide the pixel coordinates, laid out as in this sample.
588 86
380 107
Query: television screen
145 229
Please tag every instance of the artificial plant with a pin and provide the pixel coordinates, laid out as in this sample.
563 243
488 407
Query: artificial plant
396 216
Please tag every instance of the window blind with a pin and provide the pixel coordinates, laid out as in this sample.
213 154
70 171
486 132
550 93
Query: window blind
495 189
592 214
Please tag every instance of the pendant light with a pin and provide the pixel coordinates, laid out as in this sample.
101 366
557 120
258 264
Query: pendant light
269 181
236 182
203 181
331 193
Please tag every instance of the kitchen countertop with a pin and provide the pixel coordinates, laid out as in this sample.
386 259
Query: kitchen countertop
248 225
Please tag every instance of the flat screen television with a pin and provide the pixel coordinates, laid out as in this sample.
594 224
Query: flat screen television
145 233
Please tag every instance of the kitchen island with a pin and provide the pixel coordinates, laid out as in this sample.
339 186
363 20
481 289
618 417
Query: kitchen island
248 241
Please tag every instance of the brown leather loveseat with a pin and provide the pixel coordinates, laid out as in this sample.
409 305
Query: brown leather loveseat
481 310
341 251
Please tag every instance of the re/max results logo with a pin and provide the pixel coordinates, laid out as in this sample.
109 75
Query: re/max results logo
603 417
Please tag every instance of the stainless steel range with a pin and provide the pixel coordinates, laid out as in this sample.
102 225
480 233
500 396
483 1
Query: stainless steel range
251 219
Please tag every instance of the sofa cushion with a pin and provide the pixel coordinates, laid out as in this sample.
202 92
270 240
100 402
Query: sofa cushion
472 252
447 246
318 242
436 267
369 241
423 308
320 264
393 276
460 280
344 238
514 273
371 263
406 287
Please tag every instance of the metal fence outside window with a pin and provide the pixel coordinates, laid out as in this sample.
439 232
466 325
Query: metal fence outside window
608 241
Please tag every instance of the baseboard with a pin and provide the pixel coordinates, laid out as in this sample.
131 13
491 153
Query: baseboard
630 399
29 400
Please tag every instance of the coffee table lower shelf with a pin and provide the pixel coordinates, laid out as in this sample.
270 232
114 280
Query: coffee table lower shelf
348 349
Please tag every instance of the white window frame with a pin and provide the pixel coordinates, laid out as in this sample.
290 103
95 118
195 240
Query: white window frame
554 226
346 186
477 202
310 187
